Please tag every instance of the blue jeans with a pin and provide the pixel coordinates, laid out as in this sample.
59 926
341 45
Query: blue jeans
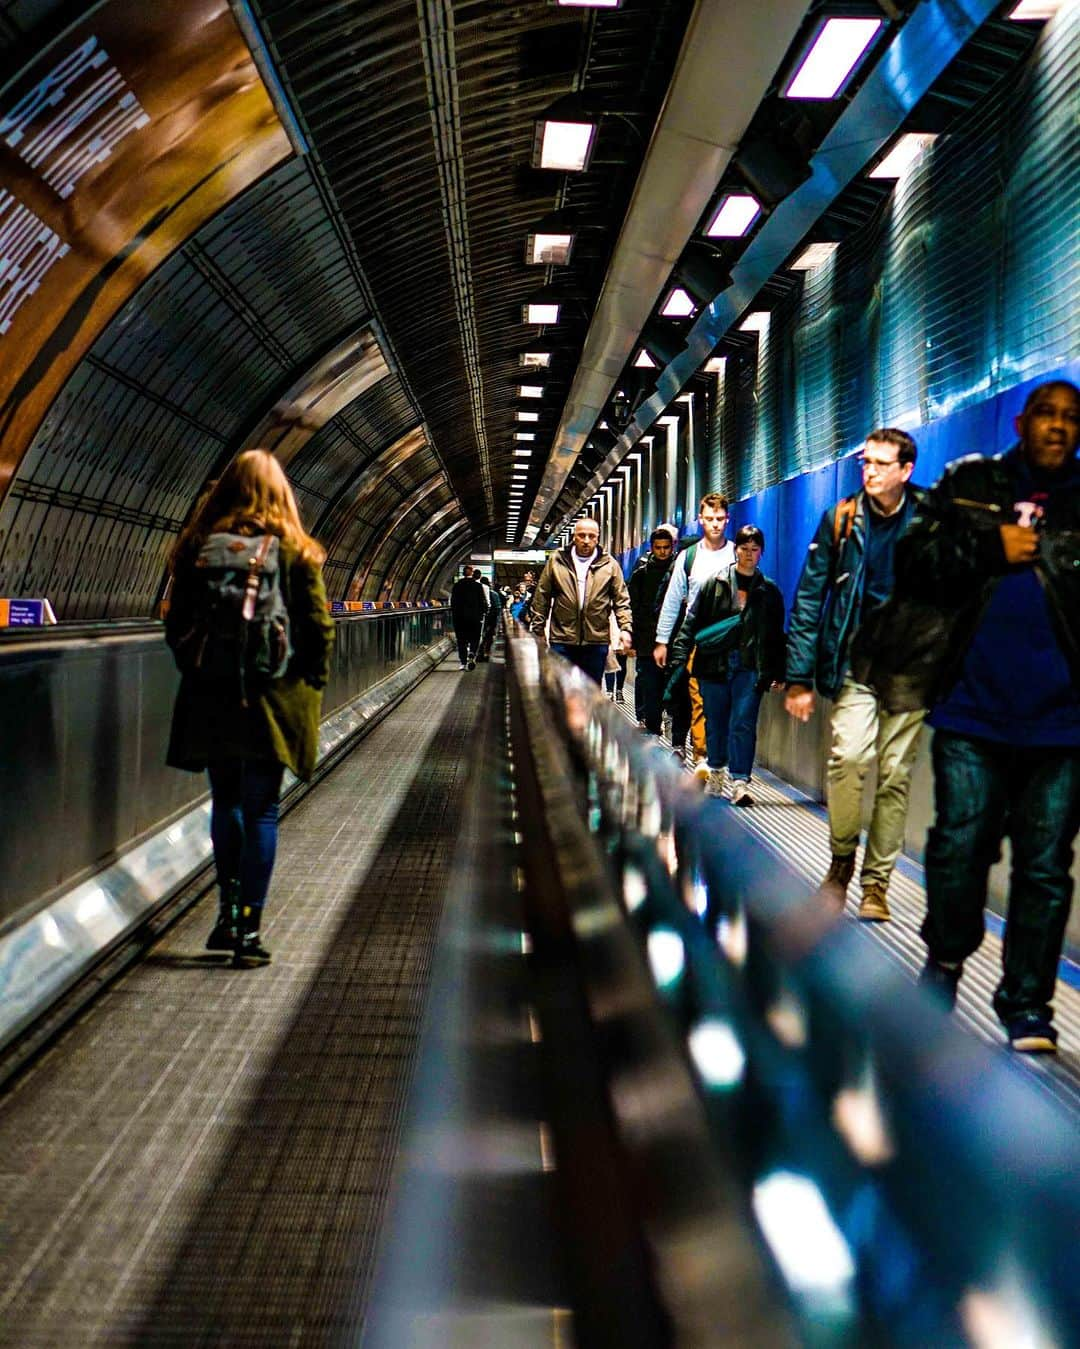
244 824
591 657
731 716
984 791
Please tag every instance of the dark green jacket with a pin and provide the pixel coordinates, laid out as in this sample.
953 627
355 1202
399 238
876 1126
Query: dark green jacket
281 724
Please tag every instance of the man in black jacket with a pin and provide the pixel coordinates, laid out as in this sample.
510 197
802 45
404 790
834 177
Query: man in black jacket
468 606
848 573
984 628
644 588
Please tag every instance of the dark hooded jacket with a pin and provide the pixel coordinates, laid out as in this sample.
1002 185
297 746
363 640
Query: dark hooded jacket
948 565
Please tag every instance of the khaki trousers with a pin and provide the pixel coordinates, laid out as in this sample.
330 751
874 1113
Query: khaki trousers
863 731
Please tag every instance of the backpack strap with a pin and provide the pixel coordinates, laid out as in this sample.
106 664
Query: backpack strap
255 571
688 559
844 519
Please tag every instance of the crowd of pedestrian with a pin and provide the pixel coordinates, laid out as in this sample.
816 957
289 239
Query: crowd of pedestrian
958 606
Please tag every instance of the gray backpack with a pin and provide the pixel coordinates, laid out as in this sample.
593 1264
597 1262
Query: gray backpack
240 634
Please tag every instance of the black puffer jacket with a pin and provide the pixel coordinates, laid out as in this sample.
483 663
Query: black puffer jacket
760 634
911 650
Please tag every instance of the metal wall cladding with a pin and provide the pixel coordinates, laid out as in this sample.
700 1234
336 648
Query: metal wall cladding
962 285
187 365
86 730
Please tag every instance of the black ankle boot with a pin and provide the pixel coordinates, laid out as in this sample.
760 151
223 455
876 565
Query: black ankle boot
249 950
226 931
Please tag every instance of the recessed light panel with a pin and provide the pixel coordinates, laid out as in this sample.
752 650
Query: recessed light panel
812 257
564 145
527 416
715 365
758 322
540 313
903 154
524 435
1035 9
552 250
530 391
535 360
678 305
736 213
832 57
643 361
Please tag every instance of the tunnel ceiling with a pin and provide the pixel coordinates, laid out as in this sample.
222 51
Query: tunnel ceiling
421 120
400 226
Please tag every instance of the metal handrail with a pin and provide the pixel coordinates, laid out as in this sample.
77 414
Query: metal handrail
910 1184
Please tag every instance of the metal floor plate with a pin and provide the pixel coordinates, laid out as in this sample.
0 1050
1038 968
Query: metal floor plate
204 1157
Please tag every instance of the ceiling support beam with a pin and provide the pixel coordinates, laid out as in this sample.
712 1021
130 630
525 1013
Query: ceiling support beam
728 60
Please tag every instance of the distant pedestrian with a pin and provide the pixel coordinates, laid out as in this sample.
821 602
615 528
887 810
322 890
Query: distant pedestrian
468 607
644 585
249 627
581 587
735 629
702 558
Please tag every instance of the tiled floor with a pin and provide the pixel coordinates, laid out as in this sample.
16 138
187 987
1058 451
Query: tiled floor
204 1156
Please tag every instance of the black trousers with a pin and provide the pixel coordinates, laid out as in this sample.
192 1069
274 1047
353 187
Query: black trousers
467 632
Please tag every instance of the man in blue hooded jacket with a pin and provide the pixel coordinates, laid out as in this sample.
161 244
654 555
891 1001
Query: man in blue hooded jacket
984 629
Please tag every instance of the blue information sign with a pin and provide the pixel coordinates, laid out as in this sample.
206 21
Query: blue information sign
26 613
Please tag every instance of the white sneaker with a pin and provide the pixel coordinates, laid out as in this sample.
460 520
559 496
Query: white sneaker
461 665
740 793
715 784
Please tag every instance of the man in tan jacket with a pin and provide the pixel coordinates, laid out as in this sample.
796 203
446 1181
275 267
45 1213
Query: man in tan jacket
581 587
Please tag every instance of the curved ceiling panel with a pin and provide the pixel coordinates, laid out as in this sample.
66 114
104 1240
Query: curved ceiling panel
201 353
123 137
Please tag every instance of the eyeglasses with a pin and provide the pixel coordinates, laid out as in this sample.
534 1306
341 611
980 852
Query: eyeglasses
876 465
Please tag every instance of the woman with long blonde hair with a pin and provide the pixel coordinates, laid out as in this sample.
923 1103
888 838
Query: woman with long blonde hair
245 714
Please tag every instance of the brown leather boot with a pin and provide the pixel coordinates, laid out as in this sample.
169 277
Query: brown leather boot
833 889
874 907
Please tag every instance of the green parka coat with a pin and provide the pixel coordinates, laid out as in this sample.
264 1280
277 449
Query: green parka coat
279 725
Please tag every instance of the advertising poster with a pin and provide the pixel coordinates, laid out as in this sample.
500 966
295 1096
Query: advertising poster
120 141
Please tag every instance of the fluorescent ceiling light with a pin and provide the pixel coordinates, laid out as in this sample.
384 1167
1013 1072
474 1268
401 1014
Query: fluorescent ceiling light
564 145
812 257
678 305
539 360
737 212
523 416
1035 9
715 365
552 250
832 57
601 426
524 435
757 322
530 391
643 361
540 313
589 4
903 154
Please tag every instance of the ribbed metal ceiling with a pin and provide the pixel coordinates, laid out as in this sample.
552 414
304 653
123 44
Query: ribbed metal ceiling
421 117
